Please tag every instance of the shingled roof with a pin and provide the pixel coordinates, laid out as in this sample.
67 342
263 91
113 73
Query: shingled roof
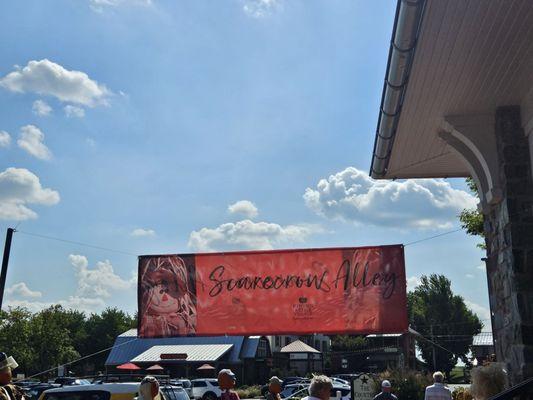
298 347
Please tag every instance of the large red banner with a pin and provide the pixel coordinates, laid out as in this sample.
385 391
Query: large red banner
339 290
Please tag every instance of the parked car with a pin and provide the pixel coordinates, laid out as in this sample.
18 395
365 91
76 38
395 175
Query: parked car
290 380
302 390
293 389
185 383
33 392
172 392
346 377
94 391
205 389
341 381
67 380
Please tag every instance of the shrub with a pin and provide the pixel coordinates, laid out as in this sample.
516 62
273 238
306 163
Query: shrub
249 392
406 384
461 394
488 380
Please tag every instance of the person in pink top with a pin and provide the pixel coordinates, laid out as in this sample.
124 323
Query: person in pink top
438 391
226 381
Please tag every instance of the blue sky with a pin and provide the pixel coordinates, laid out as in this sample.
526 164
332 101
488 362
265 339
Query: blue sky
135 124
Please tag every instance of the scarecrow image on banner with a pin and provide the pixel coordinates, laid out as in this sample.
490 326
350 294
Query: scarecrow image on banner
168 296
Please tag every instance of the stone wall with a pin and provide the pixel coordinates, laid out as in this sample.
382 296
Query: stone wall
509 240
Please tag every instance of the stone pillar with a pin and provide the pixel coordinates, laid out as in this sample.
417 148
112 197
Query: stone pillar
509 240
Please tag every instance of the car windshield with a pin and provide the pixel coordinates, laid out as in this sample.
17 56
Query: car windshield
291 392
174 393
81 395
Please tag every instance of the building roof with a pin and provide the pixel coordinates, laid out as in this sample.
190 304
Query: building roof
249 347
298 347
128 346
483 339
194 352
467 58
379 335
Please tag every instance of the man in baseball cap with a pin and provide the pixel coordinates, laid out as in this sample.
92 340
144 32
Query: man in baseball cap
8 391
385 394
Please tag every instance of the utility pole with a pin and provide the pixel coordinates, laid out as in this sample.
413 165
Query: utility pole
5 262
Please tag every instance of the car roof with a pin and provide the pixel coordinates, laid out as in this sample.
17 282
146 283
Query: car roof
116 387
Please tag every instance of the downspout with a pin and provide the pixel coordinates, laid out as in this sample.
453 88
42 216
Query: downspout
406 30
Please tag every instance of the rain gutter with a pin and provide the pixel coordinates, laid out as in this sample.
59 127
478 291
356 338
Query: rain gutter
405 33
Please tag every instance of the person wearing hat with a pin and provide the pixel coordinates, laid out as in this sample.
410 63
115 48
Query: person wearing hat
8 391
226 382
149 389
385 394
274 388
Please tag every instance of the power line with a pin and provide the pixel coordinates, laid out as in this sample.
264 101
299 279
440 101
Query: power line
79 359
433 237
77 243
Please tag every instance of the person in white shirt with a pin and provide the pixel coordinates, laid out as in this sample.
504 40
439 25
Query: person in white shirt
438 391
320 388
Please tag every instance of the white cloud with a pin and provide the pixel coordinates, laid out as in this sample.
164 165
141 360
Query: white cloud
99 282
470 276
260 8
140 232
73 111
31 140
94 287
352 195
41 108
91 142
243 207
412 283
22 290
19 187
247 234
482 312
482 267
88 305
5 139
45 77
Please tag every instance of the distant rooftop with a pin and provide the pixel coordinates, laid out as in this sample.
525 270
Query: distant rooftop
298 347
483 339
194 352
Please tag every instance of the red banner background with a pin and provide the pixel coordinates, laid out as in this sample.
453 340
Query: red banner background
340 290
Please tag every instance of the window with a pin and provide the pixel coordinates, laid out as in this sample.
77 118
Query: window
199 384
277 341
262 348
287 340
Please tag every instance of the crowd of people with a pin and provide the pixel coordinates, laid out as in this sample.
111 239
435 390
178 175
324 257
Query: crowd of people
319 389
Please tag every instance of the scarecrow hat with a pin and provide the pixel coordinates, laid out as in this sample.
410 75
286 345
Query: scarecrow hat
7 362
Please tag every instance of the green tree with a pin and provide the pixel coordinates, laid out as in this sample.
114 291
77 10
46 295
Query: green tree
472 219
347 342
15 332
103 329
438 314
50 338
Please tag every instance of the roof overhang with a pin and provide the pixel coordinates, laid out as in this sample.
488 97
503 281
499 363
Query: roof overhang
194 353
449 59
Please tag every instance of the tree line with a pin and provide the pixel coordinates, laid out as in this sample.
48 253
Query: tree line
55 336
440 316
